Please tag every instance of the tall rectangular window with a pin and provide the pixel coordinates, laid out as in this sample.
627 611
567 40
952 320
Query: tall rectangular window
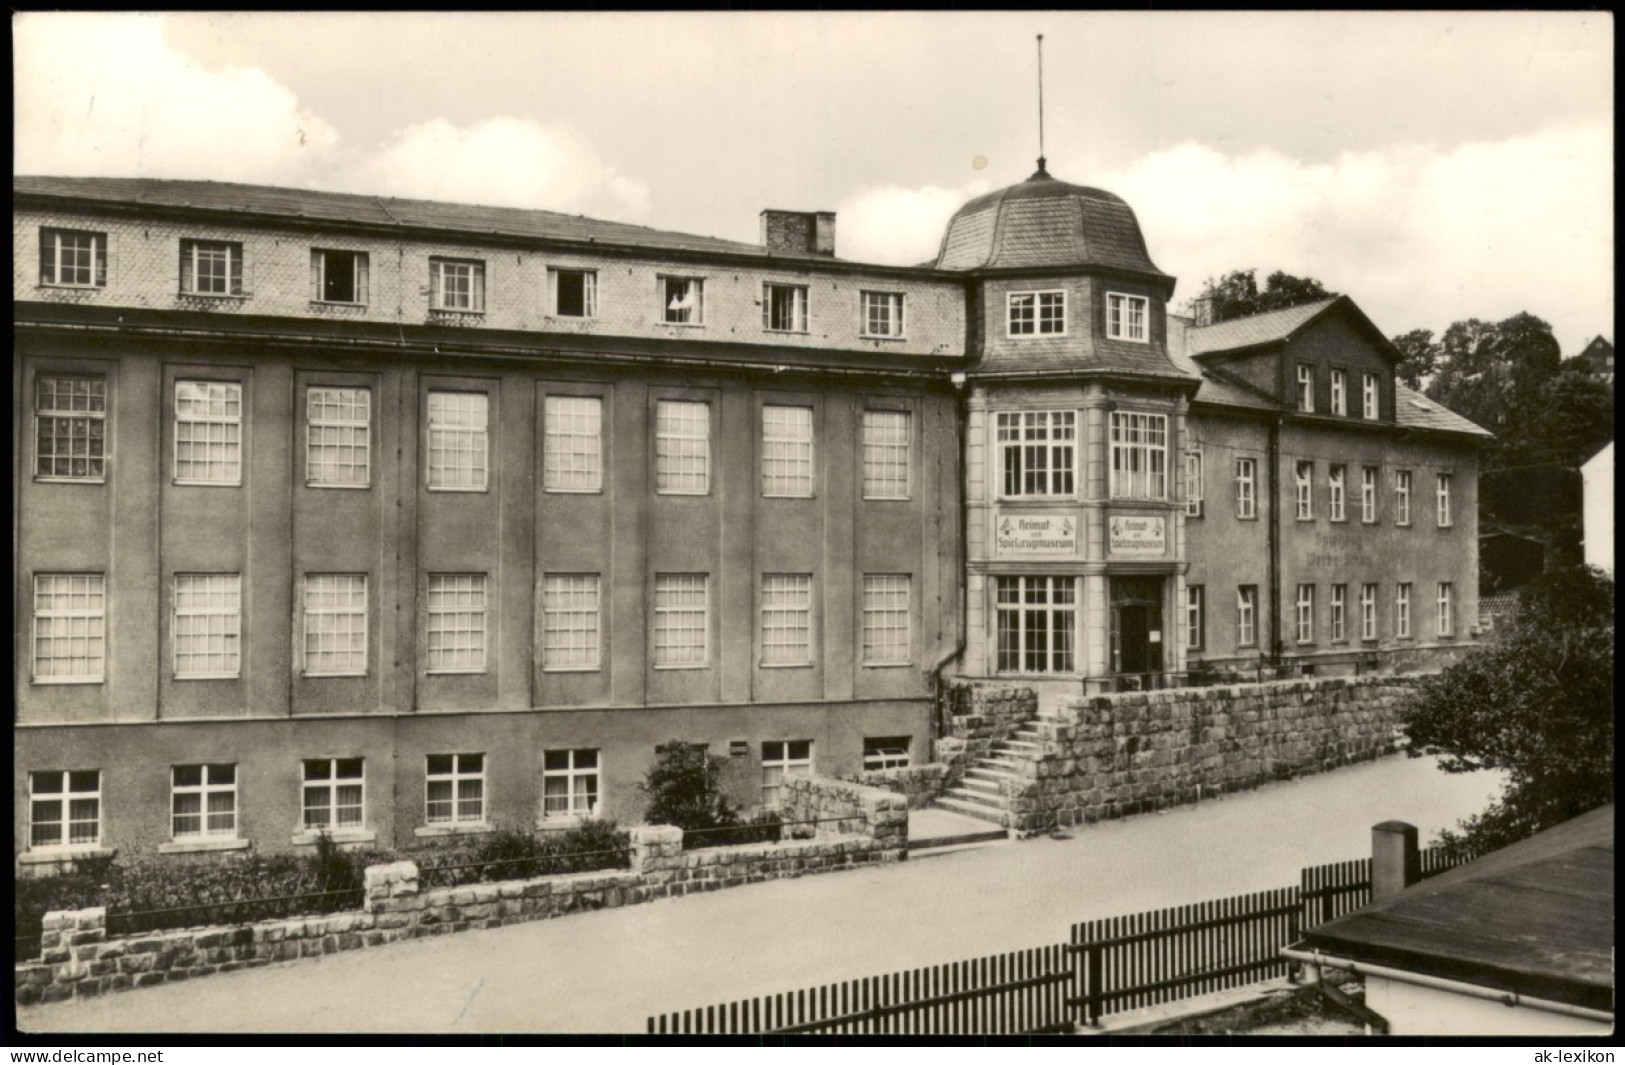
1447 613
575 292
1306 613
70 427
70 625
203 802
1368 494
1037 624
1306 389
786 619
1339 618
683 300
1340 391
207 630
1368 396
338 276
64 809
682 621
1127 317
784 308
334 794
457 285
887 439
1402 497
1368 611
1336 478
782 759
335 624
682 448
1139 450
1193 482
338 437
72 258
211 268
459 441
1305 479
1195 616
1036 313
1038 451
456 628
454 789
1402 610
887 608
208 432
570 621
573 444
1442 493
882 314
1247 488
570 783
787 451
1247 615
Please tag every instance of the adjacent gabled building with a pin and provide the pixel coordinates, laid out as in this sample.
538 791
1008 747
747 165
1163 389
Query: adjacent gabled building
392 519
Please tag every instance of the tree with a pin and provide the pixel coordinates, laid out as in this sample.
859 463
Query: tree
1419 355
1537 703
683 788
1237 294
1492 372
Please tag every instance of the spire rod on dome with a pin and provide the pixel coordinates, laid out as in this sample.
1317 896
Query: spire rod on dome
1041 169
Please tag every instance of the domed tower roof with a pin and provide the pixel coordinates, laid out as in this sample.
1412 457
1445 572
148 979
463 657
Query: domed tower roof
1045 222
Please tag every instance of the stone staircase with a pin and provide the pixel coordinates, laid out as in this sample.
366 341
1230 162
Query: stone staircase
982 793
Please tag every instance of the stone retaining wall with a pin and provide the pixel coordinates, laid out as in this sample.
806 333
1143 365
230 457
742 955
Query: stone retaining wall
918 784
1111 756
77 958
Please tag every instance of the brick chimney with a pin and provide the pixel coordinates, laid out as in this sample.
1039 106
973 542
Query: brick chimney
1202 310
1396 863
799 232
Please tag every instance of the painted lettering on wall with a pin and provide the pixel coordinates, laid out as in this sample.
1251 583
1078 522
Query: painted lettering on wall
1035 534
1141 537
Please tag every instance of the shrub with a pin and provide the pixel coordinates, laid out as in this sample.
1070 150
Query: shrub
514 853
765 827
683 790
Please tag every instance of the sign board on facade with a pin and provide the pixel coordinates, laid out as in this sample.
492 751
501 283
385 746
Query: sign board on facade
1035 534
1137 536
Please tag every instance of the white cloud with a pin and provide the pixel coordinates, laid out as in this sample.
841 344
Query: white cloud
1419 236
502 161
107 95
898 226
99 94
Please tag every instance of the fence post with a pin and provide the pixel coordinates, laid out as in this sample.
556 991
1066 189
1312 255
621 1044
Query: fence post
1094 1002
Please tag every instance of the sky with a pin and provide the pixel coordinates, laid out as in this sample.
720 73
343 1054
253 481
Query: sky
1433 166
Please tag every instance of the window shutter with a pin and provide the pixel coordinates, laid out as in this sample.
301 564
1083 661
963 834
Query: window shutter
186 267
316 262
101 260
47 261
237 269
361 278
478 288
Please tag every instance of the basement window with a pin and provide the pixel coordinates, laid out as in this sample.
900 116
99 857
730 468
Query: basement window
885 752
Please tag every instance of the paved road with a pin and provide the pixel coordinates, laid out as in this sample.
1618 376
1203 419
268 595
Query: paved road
608 971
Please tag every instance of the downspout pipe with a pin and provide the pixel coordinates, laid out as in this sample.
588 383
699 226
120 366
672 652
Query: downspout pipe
961 413
1273 466
1439 983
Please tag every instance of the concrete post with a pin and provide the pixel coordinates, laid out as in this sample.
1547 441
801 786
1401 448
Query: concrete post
1396 861
654 847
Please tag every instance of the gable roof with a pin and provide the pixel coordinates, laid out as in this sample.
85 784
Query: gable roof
1217 387
310 205
1536 918
1255 329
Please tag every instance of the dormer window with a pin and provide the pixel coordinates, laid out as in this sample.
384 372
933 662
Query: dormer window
1126 317
1306 389
1037 314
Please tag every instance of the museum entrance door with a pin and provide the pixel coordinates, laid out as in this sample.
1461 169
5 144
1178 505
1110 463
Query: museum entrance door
1137 635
